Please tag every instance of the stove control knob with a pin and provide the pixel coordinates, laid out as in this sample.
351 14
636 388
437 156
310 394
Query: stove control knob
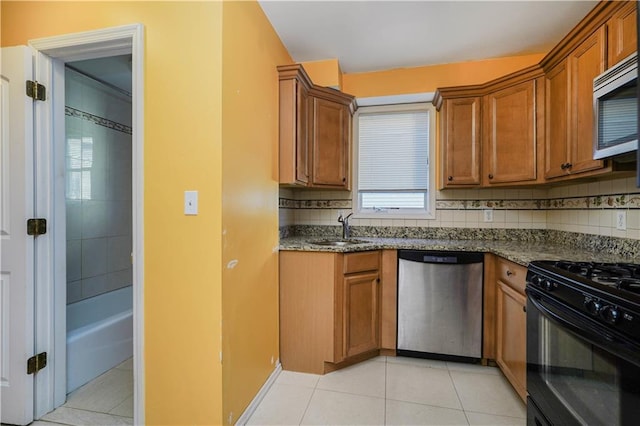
548 285
537 280
610 314
592 306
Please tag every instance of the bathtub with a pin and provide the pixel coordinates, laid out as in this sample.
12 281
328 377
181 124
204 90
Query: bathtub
99 335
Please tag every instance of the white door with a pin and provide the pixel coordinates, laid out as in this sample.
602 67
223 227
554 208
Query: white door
16 206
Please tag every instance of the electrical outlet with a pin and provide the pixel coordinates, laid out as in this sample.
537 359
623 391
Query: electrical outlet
621 220
488 215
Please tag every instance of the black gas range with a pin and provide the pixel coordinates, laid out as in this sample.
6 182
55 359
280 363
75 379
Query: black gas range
583 343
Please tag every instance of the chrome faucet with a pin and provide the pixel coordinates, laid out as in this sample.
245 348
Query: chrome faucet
346 230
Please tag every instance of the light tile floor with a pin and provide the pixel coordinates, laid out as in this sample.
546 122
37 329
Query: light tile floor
105 401
393 391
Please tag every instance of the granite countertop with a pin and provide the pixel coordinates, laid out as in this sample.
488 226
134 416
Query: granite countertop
515 251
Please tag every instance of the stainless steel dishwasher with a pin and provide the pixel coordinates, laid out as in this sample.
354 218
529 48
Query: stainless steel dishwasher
440 304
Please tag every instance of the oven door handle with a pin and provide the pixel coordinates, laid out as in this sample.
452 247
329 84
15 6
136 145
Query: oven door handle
582 328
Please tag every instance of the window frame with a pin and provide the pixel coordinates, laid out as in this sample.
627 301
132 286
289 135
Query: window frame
430 211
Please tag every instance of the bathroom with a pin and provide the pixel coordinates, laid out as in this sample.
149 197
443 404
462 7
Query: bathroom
98 204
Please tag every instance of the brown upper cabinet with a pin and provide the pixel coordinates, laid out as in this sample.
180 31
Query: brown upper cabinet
622 35
569 141
510 133
315 132
535 125
460 124
491 133
603 38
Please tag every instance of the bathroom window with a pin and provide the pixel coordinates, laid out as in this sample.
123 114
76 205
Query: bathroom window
393 173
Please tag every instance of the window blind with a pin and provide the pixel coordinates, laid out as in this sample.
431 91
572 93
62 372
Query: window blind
393 151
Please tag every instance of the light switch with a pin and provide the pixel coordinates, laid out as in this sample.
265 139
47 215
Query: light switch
191 203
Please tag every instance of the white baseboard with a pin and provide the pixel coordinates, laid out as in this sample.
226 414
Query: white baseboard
244 418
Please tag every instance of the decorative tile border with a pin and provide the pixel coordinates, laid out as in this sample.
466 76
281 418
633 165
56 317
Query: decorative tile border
613 201
100 121
314 204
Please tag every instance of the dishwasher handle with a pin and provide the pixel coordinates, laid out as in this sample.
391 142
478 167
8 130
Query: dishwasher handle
442 257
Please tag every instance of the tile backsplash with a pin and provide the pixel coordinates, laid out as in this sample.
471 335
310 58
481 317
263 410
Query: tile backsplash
589 208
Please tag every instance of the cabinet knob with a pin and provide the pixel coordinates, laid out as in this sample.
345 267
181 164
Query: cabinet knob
565 166
509 273
524 309
490 176
450 178
344 179
378 280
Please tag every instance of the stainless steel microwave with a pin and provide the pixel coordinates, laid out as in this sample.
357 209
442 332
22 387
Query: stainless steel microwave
615 105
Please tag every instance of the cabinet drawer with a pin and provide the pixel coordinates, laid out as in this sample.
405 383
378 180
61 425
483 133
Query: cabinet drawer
511 273
361 261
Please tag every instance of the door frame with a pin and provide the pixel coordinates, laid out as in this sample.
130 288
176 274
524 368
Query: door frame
51 53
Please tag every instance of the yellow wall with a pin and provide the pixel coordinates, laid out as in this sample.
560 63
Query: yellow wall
325 73
183 151
250 343
429 78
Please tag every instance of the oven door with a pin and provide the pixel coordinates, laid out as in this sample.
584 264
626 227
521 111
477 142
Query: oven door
578 371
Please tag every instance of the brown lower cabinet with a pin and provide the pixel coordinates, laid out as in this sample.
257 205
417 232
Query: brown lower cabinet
329 309
510 323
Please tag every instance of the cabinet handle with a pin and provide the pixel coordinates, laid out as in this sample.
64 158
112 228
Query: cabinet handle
563 166
378 280
569 165
509 273
450 178
344 180
490 176
524 309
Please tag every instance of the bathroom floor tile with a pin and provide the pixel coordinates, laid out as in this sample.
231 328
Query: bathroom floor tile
124 409
366 378
408 413
283 405
488 394
430 386
104 393
72 416
126 365
335 408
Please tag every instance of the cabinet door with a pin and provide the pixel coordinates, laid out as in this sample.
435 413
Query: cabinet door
511 338
556 125
461 141
331 128
622 33
360 313
510 138
585 63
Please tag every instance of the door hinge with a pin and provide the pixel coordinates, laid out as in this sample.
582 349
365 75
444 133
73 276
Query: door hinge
36 363
36 227
36 91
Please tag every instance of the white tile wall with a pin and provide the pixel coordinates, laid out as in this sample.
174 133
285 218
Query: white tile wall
98 205
599 221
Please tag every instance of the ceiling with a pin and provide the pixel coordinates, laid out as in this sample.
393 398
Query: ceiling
113 70
378 35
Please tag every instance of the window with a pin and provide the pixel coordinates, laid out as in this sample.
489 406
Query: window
392 161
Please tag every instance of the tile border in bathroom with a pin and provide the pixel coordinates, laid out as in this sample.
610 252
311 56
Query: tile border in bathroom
100 121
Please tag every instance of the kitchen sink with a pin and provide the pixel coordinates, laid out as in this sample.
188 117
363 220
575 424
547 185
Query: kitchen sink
337 242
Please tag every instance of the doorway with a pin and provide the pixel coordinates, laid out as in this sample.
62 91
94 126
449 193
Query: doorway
98 170
96 206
